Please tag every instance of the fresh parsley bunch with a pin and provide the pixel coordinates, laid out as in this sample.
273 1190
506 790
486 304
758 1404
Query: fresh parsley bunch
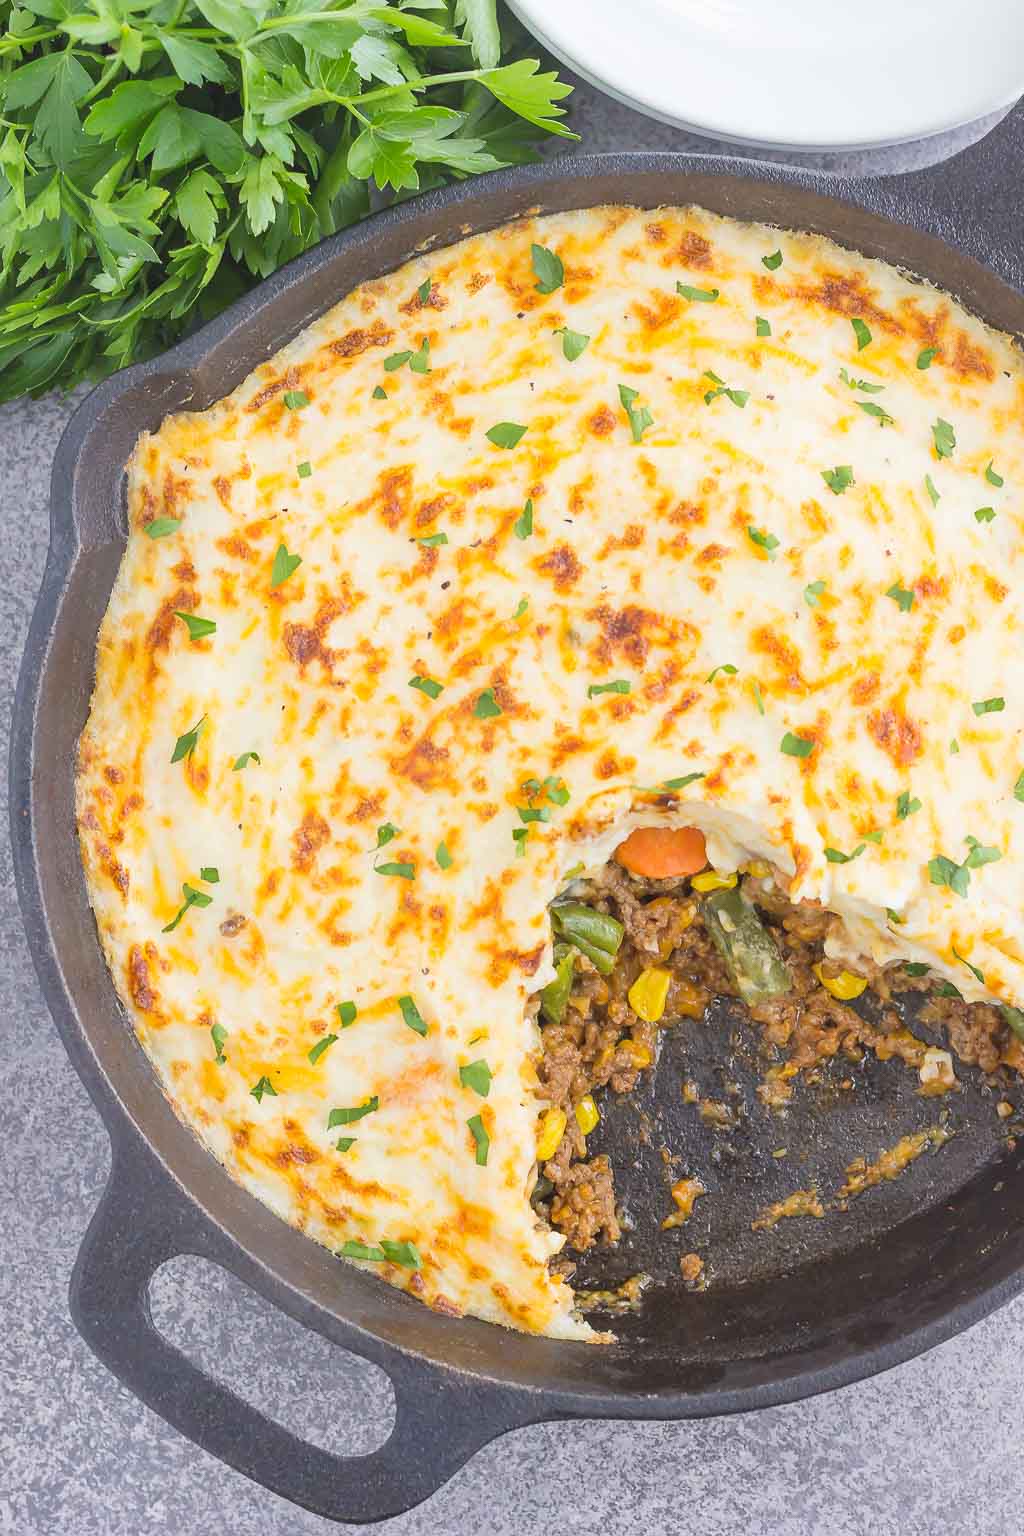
158 156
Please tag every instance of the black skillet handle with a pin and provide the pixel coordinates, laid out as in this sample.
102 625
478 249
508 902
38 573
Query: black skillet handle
140 1223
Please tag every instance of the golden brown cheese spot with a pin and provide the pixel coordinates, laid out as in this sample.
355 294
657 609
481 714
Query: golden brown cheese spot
233 924
289 380
140 985
970 360
865 688
562 566
695 250
424 764
631 537
158 636
848 293
896 734
601 421
309 837
784 655
393 498
358 341
662 310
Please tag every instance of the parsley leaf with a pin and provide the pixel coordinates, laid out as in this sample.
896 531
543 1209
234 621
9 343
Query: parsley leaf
548 268
443 857
944 871
687 778
766 541
263 1086
726 667
861 384
812 592
347 1013
379 393
323 1044
406 1254
419 362
905 806
697 295
428 685
506 434
296 399
218 1034
400 871
871 409
944 438
761 326
639 417
989 706
345 1116
620 685
933 495
574 343
198 628
978 976
839 479
903 597
984 514
835 857
924 358
411 1015
523 526
483 1142
1018 788
796 746
758 697
284 566
862 334
773 261
160 527
304 470
486 706
992 477
476 1076
186 745
739 397
386 833
243 760
433 540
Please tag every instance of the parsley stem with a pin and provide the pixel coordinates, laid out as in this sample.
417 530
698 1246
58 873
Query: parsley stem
421 83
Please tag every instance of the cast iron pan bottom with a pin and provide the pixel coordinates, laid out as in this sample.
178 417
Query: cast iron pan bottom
800 1309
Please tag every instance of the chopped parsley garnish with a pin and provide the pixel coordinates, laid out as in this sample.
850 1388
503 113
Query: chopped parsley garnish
198 628
761 326
305 469
871 409
343 1143
766 541
924 358
839 479
419 361
894 917
412 1015
347 1013
476 1076
386 833
428 685
574 343
1018 788
529 813
835 857
862 334
978 976
519 836
620 685
379 392
284 566
486 706
903 597
350 1116
905 806
916 968
943 871
992 477
954 747
433 540
350 1249
160 527
554 788
263 1086
506 434
521 607
984 514
295 399
773 261
739 397
481 1138
406 1254
989 706
861 384
696 295
726 667
395 361
812 592
548 268
639 417
218 1034
186 745
423 291
933 495
796 746
688 778
944 438
758 698
316 1051
443 857
243 760
523 526
210 874
402 871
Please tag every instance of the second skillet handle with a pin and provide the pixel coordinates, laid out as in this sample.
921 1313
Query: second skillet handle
440 1422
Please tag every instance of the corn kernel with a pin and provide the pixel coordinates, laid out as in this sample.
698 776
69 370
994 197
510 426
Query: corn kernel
711 880
587 1115
550 1133
637 1052
758 868
649 993
845 986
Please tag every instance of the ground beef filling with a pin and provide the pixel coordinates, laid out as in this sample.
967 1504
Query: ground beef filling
601 1042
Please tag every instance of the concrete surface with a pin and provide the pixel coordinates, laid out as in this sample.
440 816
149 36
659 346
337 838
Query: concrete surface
931 1448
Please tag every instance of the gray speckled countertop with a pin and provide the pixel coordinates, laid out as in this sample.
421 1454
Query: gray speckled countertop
929 1448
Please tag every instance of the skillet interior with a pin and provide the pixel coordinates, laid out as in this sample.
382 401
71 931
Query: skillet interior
803 1308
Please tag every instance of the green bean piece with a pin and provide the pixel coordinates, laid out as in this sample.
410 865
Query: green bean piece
587 928
748 949
1015 1018
554 998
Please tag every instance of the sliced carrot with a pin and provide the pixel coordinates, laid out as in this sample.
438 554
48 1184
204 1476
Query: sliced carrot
661 852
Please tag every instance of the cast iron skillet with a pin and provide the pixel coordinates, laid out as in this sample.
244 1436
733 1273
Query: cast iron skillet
807 1307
